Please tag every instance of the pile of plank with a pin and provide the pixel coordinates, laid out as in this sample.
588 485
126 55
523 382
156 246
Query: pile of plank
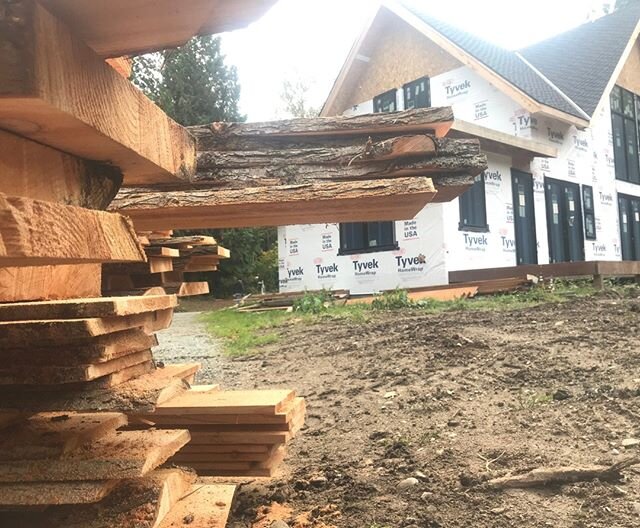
78 470
339 169
287 300
233 433
171 263
79 343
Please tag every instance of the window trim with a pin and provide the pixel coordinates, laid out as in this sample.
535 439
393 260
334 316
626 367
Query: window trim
589 211
369 249
474 228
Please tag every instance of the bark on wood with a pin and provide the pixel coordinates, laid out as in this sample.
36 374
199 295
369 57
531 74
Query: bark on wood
362 152
424 120
563 475
34 232
227 178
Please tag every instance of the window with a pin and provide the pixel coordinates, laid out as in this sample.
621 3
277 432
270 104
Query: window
367 237
589 213
417 94
625 117
473 207
385 102
362 237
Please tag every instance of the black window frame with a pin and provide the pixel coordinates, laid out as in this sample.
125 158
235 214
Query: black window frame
625 125
378 101
406 89
364 246
589 212
479 223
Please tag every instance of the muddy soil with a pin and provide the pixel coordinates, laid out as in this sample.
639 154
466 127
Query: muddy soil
453 399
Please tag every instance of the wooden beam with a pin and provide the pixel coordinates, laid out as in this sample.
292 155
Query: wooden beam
230 136
156 251
55 493
393 199
86 308
130 27
50 435
183 242
127 454
59 332
208 505
35 171
34 232
42 283
73 101
501 143
98 350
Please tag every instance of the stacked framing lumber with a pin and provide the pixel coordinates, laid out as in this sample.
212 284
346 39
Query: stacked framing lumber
45 98
372 167
73 131
233 433
79 464
171 260
113 334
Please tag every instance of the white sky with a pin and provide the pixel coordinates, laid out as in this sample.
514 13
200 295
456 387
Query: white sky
310 39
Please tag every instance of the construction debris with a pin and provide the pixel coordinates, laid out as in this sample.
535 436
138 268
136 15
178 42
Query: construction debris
542 477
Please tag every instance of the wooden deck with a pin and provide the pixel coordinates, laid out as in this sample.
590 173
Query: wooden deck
598 269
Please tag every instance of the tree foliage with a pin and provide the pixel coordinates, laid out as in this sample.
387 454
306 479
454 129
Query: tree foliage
294 97
195 86
192 84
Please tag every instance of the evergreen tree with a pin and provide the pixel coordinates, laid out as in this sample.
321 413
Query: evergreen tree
192 84
195 86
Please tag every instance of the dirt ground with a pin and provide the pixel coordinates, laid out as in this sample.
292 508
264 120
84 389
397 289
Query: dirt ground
453 399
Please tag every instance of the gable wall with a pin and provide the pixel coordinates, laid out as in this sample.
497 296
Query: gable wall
398 55
630 75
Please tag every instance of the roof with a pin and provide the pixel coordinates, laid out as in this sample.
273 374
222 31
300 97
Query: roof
582 61
505 63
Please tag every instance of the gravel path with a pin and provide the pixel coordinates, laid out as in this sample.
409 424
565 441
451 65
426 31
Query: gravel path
187 341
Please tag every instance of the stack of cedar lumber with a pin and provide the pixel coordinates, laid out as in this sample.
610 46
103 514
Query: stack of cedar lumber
233 433
79 343
171 264
79 470
286 300
330 169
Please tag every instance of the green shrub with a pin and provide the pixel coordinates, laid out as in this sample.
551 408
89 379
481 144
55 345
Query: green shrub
392 300
314 303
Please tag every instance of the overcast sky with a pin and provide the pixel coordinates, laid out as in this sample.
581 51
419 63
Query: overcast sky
310 39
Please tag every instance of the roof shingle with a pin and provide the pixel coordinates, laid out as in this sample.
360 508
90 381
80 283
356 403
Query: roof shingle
579 62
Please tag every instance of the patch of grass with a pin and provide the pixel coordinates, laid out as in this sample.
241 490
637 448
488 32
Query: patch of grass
392 300
243 332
